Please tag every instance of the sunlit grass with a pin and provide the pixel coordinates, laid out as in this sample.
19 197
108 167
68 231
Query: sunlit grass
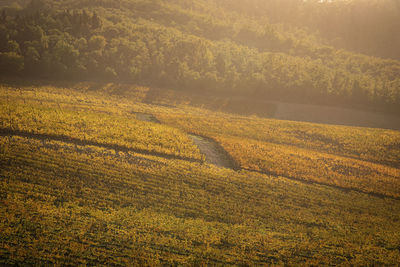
72 204
84 119
86 205
350 157
375 145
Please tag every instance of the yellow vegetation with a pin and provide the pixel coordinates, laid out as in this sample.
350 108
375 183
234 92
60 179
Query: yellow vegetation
51 114
349 157
70 203
309 165
74 205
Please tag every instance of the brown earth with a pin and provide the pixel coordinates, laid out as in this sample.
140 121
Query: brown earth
335 115
276 109
213 152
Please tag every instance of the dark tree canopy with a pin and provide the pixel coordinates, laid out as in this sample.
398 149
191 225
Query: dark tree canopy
332 52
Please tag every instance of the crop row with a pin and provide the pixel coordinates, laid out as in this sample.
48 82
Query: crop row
75 205
308 165
374 145
108 129
366 160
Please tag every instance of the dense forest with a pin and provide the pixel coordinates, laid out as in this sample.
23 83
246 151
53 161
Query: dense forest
323 52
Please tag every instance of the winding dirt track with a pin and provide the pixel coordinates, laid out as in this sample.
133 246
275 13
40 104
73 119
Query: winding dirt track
213 152
216 155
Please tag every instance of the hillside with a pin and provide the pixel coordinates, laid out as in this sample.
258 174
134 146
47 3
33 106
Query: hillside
199 133
82 193
201 46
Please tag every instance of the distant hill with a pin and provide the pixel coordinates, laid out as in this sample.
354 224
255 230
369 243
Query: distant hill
331 53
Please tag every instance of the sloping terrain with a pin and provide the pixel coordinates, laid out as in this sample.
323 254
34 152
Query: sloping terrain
75 201
210 46
214 154
189 133
335 115
74 205
276 109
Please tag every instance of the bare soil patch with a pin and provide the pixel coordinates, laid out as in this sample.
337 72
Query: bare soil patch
213 152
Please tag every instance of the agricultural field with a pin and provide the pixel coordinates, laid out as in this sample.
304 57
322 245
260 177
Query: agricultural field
199 133
363 159
85 181
82 118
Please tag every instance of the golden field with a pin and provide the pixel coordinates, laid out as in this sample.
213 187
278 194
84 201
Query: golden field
305 194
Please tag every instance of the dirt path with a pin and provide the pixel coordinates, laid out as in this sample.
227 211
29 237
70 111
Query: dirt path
213 152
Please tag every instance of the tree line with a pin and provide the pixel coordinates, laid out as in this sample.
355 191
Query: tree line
173 44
